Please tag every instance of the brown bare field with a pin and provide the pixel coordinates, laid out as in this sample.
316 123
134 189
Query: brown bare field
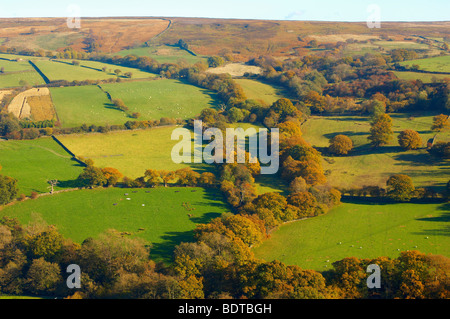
333 38
235 69
20 106
41 108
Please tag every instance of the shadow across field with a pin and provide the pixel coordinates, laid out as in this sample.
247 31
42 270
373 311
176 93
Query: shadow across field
164 251
444 230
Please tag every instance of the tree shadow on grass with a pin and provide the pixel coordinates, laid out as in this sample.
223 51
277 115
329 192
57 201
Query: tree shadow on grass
346 133
367 149
205 218
163 251
420 158
444 218
74 183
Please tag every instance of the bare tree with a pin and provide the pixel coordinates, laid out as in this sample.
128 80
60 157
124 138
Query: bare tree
52 183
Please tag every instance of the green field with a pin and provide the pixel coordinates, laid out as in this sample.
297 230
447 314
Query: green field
163 221
131 152
260 91
369 166
424 77
79 105
163 54
20 79
66 71
162 98
436 64
15 66
34 162
380 230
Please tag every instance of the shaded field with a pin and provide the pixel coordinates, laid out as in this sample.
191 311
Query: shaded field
34 162
380 230
162 98
373 166
156 215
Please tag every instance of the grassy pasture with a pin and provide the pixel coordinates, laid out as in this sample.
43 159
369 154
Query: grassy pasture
15 66
163 221
424 77
131 152
85 104
137 74
260 91
162 98
381 230
18 79
87 70
163 54
368 166
436 64
34 162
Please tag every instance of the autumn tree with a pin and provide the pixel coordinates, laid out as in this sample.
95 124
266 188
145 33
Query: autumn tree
207 179
297 185
112 175
120 105
152 178
8 189
340 145
305 202
400 187
166 176
284 107
315 102
440 122
92 176
409 140
215 61
381 130
187 177
43 277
